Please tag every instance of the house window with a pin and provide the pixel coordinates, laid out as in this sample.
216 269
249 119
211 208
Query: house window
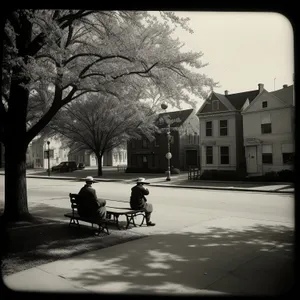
209 128
145 144
287 154
209 155
266 126
223 127
215 104
171 139
267 154
224 152
51 153
264 104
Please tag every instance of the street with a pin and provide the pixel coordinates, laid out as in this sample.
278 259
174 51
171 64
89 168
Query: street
217 240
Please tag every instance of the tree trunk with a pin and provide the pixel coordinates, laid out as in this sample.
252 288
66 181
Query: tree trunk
15 137
99 162
16 207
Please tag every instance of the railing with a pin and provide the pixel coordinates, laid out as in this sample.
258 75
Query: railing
121 168
194 173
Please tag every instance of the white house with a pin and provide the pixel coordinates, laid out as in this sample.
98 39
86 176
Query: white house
39 152
268 129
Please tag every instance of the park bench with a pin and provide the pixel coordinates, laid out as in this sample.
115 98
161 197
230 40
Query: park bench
75 218
113 214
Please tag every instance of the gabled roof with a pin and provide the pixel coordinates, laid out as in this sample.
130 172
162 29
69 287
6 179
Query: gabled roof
238 99
286 94
177 118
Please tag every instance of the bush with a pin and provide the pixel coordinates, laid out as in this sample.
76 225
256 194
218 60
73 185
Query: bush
143 170
221 175
175 171
283 176
286 175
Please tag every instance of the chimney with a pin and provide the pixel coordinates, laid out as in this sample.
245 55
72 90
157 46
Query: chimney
285 86
226 93
260 87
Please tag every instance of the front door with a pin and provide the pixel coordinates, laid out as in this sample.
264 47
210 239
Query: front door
191 158
251 158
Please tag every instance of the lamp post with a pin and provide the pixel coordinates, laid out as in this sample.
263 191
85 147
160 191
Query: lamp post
48 151
164 106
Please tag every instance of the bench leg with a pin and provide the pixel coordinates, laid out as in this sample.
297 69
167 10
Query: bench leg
130 220
74 221
102 228
144 218
116 219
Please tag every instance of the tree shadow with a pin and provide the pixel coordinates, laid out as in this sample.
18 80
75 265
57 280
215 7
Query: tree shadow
48 237
256 261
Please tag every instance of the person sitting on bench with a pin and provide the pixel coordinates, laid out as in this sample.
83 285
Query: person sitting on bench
90 206
139 201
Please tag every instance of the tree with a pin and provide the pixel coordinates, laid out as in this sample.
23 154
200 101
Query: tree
100 125
64 54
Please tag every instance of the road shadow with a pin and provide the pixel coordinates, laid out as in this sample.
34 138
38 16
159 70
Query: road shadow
256 261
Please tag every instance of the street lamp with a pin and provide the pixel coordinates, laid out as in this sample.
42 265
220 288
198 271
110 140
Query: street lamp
164 106
48 143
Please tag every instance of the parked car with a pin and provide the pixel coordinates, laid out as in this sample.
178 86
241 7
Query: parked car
65 166
80 166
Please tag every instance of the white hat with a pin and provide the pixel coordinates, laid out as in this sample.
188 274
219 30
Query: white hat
142 180
89 179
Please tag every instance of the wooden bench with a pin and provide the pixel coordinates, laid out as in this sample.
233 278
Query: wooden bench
75 218
113 214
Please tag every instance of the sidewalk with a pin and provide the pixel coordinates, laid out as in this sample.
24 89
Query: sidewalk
159 180
212 257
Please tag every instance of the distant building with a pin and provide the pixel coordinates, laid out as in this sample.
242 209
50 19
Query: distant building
118 156
221 131
268 127
39 152
148 155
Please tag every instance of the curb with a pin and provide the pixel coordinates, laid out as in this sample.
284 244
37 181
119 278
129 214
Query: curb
222 189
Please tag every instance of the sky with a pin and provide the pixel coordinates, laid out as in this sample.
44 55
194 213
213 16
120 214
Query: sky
242 49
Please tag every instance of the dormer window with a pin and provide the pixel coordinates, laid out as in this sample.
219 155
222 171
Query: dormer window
264 104
215 104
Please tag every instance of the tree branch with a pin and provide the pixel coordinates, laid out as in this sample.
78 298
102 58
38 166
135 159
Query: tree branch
136 72
92 74
70 33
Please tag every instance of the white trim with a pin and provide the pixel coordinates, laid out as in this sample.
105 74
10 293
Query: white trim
264 109
218 113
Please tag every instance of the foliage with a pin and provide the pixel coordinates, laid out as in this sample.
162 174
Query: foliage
101 123
175 171
83 51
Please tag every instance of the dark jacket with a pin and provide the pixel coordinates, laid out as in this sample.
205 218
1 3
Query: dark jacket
89 205
137 198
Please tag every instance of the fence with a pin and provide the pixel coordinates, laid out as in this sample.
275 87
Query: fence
121 168
194 173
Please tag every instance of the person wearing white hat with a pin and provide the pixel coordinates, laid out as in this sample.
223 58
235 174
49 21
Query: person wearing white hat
91 205
139 201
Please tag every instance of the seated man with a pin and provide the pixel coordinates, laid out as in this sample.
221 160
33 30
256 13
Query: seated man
90 205
139 201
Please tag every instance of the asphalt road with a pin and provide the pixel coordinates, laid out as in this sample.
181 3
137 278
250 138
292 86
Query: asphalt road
169 202
232 242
